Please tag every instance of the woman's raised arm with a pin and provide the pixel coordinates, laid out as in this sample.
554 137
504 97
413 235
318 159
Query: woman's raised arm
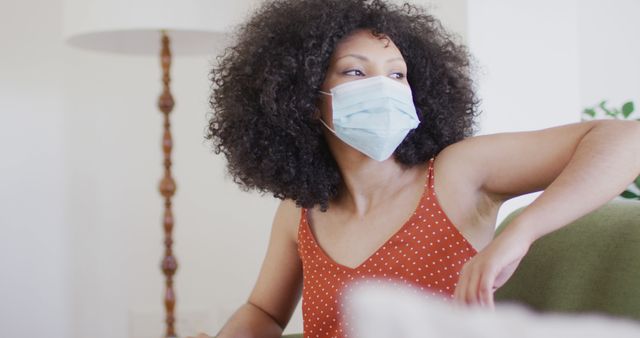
579 166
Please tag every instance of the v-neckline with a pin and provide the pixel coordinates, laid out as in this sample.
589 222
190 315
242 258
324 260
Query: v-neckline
329 259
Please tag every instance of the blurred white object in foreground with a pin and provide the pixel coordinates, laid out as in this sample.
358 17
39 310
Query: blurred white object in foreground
379 310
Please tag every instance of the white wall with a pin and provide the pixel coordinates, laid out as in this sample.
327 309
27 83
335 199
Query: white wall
540 63
609 52
81 159
34 237
527 55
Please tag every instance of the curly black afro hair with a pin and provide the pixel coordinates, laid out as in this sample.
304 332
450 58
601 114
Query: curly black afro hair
265 90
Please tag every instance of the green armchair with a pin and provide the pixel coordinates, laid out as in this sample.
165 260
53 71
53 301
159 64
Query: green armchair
590 265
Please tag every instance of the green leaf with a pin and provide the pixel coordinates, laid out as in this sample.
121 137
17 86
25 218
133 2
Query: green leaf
627 109
637 182
589 111
629 194
604 108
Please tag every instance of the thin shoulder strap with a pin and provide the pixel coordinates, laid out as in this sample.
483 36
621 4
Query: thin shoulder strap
303 218
431 175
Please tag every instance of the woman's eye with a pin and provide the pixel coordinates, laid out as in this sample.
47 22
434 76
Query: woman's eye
354 72
397 75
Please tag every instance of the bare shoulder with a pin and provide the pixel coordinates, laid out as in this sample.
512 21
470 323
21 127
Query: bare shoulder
287 219
456 167
458 187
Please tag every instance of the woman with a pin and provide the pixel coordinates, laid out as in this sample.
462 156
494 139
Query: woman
359 116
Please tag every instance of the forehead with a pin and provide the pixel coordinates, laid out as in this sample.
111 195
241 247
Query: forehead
363 41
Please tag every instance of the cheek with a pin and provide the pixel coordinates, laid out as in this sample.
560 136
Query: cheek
326 113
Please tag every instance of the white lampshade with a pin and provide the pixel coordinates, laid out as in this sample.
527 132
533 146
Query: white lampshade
133 26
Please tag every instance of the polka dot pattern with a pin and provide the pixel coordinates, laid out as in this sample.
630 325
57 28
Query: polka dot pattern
427 252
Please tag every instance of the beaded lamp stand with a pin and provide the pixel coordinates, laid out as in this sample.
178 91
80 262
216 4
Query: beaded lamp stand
167 188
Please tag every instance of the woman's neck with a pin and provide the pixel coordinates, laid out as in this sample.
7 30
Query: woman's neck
368 183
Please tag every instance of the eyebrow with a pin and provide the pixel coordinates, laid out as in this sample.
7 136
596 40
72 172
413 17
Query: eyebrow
364 58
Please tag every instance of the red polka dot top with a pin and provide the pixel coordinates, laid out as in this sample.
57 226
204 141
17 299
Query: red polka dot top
427 252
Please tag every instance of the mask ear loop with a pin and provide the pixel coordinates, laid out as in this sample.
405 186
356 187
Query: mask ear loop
321 120
331 130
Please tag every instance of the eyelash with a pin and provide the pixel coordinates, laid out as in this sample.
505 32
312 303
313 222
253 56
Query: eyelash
400 75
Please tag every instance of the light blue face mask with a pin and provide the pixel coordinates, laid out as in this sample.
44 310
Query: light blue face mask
373 115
